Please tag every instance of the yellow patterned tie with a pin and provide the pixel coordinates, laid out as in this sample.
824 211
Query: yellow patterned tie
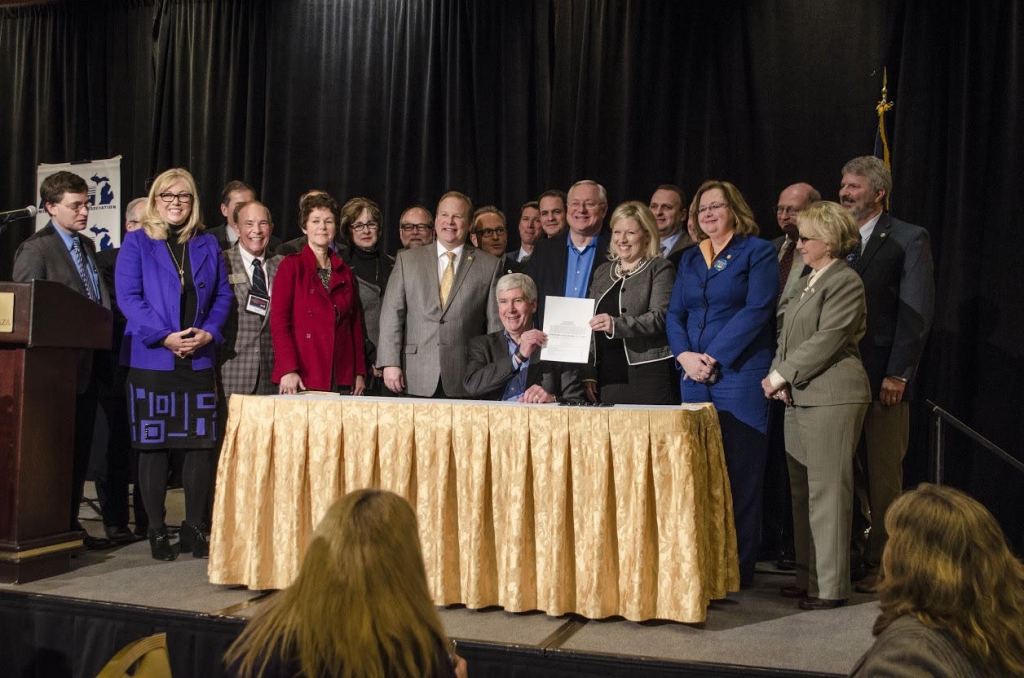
447 278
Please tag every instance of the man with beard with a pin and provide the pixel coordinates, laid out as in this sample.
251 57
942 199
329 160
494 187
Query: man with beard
415 227
895 263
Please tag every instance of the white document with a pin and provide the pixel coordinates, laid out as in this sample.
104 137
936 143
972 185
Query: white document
567 324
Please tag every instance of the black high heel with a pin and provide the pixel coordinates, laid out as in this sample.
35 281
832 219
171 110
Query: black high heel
195 540
160 545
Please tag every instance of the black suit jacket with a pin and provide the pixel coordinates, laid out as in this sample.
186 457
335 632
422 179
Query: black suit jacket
43 256
489 369
899 286
548 267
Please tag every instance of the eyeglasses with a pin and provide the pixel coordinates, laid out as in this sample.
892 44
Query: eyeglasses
409 228
788 210
360 226
491 232
76 206
804 238
183 198
589 204
713 207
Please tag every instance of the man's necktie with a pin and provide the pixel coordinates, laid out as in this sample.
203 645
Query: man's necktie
259 279
785 266
853 258
83 269
447 278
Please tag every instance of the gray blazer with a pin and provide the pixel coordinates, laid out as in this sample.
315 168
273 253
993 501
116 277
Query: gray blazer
246 358
429 342
43 256
818 353
643 302
489 369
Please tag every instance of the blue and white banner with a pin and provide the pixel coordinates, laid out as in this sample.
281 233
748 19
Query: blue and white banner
104 180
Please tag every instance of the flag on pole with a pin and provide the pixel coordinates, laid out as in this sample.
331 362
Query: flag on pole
881 139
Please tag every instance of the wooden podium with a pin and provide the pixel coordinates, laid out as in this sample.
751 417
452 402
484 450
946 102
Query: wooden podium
41 338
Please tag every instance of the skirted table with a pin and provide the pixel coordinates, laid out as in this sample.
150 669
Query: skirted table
596 511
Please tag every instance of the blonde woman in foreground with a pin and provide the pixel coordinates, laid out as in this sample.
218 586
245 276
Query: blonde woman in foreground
359 607
951 594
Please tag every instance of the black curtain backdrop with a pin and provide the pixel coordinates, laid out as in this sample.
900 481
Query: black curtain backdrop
402 100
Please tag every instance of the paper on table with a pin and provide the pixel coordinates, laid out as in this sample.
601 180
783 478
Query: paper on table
567 324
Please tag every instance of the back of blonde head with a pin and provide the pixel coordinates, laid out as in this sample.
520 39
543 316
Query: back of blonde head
947 563
360 605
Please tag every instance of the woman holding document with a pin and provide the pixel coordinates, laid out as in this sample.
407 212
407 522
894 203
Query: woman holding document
633 363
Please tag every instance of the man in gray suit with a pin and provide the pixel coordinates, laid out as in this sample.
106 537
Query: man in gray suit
60 252
246 358
503 365
438 298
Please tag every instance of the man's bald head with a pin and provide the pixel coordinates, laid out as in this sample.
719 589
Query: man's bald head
793 200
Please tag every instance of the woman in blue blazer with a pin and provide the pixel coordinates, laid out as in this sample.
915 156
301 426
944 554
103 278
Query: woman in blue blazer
719 326
172 286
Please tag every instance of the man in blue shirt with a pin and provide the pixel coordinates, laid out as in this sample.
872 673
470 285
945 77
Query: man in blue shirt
564 265
61 253
504 365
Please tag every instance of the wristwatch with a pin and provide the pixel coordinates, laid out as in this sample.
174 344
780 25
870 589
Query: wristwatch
520 357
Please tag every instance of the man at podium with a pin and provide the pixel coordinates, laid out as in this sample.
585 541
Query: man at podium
61 253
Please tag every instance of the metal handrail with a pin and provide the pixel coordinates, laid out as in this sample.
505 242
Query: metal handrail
940 417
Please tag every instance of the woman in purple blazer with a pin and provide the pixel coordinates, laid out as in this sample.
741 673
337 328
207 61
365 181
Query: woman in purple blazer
172 287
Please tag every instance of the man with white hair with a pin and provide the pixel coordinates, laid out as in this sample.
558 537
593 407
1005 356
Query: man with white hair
505 365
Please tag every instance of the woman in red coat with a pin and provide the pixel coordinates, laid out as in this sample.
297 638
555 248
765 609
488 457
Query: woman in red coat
315 317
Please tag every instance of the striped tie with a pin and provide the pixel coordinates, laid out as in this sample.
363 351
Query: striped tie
447 278
259 279
83 269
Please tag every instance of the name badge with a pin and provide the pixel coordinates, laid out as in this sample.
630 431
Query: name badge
257 304
237 279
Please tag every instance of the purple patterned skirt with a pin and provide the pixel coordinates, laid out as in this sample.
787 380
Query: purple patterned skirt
172 409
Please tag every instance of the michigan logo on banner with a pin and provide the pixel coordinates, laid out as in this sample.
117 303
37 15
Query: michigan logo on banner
104 180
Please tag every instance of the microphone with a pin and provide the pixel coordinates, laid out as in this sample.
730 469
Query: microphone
14 215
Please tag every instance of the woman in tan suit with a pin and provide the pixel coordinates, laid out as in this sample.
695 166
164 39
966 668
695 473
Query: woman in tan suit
818 373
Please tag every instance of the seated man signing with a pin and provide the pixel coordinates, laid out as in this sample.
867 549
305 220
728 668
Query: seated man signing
504 365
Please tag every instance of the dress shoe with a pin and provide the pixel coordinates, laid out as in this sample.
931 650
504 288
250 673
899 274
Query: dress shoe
820 604
160 545
792 592
96 543
120 534
786 564
868 584
195 540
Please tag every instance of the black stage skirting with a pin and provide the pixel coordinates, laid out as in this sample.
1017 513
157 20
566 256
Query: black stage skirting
49 636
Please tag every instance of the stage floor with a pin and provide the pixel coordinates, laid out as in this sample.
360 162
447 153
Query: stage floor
753 629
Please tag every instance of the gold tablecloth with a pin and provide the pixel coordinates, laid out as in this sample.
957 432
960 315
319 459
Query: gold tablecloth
598 511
